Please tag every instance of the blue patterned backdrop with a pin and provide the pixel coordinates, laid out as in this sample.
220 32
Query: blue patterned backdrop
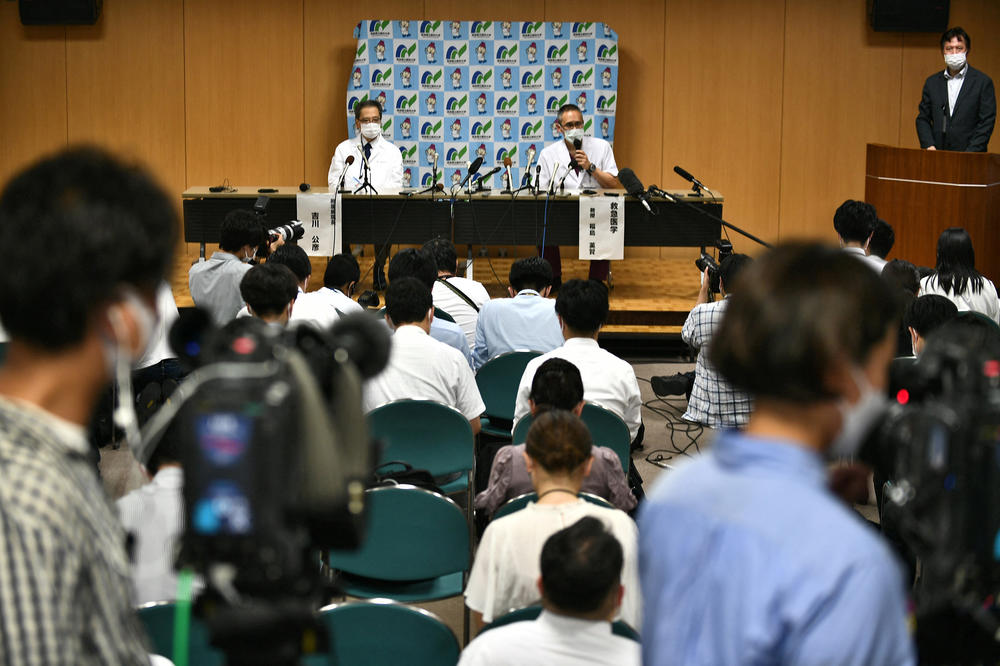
489 88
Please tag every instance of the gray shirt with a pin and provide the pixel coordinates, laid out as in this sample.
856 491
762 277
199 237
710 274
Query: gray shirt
215 286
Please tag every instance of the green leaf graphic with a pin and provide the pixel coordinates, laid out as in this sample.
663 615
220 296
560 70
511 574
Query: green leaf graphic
362 49
388 124
462 50
462 152
612 50
537 126
537 76
487 75
435 25
436 76
586 125
413 100
562 50
411 151
437 128
461 102
586 77
382 25
413 47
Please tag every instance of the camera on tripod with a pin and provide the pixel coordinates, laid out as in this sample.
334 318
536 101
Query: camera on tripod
707 261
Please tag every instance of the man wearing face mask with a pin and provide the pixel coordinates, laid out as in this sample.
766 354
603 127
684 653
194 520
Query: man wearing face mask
95 238
215 282
745 554
591 165
958 106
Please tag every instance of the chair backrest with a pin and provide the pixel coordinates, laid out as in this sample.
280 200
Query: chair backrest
618 627
158 619
606 429
412 534
405 635
521 501
498 380
426 434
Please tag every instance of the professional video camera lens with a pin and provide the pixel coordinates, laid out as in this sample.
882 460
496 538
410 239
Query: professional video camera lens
292 231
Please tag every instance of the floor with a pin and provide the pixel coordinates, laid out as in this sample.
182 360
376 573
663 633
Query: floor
666 440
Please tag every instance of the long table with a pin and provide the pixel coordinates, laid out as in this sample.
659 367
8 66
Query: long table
490 219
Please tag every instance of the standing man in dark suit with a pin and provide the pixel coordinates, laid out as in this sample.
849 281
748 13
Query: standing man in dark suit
958 106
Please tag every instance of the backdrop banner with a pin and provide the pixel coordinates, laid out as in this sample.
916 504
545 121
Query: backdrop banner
491 89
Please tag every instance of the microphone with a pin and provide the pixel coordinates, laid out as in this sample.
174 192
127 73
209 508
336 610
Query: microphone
489 173
689 178
527 169
343 174
538 176
304 187
552 178
634 187
653 189
562 181
577 145
473 169
506 165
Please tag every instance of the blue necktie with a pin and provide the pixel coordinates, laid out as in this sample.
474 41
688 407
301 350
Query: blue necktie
368 151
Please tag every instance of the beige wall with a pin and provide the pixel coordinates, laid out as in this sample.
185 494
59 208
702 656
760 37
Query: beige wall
769 101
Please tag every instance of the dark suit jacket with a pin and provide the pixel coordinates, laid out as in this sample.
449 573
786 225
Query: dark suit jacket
971 122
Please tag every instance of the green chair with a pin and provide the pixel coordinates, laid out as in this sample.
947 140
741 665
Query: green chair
381 632
498 380
521 501
428 435
618 627
158 618
606 429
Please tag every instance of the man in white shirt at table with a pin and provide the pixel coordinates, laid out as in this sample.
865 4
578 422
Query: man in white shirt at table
383 160
590 165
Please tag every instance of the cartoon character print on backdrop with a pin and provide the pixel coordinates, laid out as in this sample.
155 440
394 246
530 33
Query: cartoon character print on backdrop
490 89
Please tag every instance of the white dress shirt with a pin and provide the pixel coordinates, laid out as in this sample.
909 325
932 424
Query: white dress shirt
552 639
876 263
608 381
323 307
158 347
954 86
422 368
385 163
598 151
463 313
505 572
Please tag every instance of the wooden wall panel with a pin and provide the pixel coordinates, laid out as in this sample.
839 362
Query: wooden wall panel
243 69
722 108
921 57
841 91
33 90
125 85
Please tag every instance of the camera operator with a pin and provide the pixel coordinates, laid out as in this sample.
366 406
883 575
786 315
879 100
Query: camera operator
215 282
95 238
714 402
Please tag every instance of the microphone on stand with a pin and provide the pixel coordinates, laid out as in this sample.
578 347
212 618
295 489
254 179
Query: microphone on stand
343 174
434 167
634 187
488 174
538 176
552 178
653 189
510 183
473 169
697 185
527 168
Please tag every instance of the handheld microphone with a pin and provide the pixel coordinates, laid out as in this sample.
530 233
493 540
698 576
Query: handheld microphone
506 165
489 173
689 178
577 145
653 189
473 169
343 174
634 187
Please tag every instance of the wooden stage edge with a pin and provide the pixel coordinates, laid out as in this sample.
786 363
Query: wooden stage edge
648 297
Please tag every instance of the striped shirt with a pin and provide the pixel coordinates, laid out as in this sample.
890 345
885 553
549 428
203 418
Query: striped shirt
65 592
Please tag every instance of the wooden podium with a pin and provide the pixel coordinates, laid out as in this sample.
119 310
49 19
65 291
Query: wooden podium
923 192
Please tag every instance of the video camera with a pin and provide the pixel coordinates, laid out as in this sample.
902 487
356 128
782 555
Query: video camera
940 447
276 459
707 261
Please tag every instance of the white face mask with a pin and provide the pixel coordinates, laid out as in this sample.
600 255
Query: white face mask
954 60
250 257
370 130
573 135
857 420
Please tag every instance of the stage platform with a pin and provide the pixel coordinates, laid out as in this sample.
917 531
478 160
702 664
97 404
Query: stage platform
650 298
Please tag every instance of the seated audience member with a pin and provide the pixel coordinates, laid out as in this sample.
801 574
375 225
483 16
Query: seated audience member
95 239
420 367
269 291
608 381
580 584
420 264
955 276
153 515
556 385
325 306
925 315
505 572
883 238
854 222
752 521
158 371
526 321
714 402
215 282
904 278
297 260
458 296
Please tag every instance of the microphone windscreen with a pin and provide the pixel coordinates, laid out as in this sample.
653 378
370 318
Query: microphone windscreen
366 341
577 143
304 187
349 160
507 161
683 174
478 162
630 181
